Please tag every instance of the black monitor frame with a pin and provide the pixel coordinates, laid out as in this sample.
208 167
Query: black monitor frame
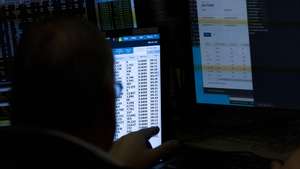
165 108
227 116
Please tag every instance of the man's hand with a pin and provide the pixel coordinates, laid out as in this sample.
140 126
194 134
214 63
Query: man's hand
134 150
292 163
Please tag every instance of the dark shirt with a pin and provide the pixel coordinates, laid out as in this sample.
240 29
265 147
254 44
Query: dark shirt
28 148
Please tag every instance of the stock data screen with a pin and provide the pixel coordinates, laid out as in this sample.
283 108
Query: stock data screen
222 55
137 69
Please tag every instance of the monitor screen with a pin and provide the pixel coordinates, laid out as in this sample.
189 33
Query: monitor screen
245 52
138 71
116 14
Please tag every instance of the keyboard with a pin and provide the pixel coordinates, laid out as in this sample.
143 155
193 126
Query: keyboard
274 143
207 159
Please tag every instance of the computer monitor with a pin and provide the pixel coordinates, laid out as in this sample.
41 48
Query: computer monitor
116 14
246 53
137 67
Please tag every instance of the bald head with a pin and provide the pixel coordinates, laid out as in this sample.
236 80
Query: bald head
64 78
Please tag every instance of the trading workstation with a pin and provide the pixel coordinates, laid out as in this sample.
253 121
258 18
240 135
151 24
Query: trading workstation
220 76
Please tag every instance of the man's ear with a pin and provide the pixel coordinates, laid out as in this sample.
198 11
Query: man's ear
276 165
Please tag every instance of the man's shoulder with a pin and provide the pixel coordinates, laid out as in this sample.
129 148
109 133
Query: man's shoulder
22 148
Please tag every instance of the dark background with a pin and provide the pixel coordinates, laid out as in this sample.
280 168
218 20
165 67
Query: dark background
276 65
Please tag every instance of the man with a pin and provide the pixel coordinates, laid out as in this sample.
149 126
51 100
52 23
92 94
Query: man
64 82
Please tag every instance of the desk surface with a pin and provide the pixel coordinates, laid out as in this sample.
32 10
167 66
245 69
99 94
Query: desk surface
271 143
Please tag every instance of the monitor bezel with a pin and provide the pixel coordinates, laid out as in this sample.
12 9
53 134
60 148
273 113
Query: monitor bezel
248 115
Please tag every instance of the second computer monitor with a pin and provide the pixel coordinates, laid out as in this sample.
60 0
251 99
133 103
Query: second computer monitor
246 53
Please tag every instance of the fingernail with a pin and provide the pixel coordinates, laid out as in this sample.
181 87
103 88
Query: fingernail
155 128
276 165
